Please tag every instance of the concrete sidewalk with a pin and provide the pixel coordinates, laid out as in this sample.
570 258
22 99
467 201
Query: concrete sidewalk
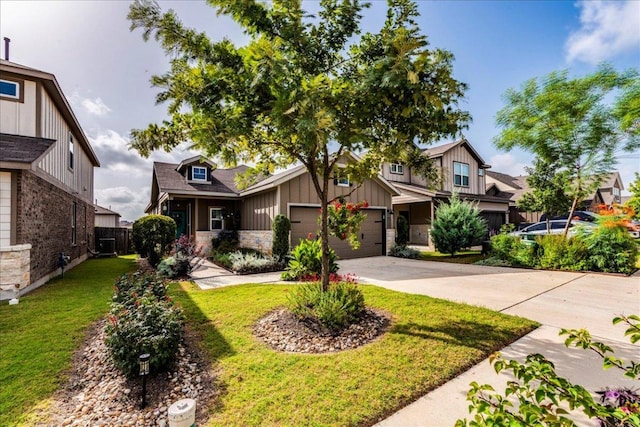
207 275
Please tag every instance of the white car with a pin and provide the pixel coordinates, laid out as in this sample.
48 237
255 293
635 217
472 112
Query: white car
556 227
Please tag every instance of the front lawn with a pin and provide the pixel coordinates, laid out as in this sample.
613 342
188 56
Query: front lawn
430 342
39 335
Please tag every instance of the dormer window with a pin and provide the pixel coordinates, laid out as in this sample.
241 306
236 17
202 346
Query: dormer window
199 173
11 90
397 168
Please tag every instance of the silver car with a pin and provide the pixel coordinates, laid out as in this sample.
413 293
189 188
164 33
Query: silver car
556 227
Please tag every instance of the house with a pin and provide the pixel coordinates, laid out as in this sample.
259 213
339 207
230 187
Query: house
513 187
461 170
106 217
46 179
204 199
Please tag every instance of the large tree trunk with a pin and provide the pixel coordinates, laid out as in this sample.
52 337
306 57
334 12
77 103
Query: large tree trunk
324 234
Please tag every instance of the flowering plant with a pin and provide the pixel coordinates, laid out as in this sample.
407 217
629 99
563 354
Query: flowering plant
625 400
344 220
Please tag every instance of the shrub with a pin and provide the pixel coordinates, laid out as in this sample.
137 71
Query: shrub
558 252
505 247
143 320
611 249
335 309
494 262
402 231
252 262
281 227
539 391
167 268
181 263
306 259
152 236
403 252
226 241
457 225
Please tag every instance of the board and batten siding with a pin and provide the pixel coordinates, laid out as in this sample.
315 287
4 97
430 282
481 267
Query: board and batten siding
258 211
5 209
404 177
19 118
300 191
461 155
56 162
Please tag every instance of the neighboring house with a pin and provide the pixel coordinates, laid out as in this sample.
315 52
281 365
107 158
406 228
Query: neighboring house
46 179
461 169
203 200
513 187
106 217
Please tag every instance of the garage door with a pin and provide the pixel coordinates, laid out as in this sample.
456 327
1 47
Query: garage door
304 220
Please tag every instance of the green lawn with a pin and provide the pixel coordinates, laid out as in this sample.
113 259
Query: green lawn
463 257
39 335
430 342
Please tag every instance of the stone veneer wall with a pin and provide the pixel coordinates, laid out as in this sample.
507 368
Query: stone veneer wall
15 267
391 238
260 240
44 222
419 234
203 240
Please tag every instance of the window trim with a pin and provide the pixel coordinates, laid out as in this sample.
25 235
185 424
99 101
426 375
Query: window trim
399 168
480 172
193 173
74 224
461 175
20 89
71 147
211 210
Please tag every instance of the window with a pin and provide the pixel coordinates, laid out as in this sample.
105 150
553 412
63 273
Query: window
460 174
74 211
397 168
71 151
9 89
199 173
216 219
341 179
616 193
480 172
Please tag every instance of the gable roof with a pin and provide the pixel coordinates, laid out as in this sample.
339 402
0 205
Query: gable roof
511 181
440 150
99 210
609 180
196 159
170 180
22 151
54 90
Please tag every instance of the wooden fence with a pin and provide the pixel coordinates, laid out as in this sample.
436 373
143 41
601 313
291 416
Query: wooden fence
109 240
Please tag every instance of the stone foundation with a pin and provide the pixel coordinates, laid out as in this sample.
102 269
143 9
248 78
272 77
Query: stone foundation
260 240
15 264
203 240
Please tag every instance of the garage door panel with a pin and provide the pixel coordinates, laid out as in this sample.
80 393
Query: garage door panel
304 220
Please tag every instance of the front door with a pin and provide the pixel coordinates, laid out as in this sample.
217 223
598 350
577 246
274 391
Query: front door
181 223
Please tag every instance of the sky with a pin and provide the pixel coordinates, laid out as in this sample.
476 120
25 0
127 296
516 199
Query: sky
105 69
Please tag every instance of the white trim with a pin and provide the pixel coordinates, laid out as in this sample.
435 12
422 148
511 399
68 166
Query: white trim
211 209
193 174
399 168
18 89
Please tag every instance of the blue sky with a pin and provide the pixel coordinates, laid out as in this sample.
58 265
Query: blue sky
104 69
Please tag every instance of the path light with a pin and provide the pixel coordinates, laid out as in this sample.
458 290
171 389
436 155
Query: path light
144 372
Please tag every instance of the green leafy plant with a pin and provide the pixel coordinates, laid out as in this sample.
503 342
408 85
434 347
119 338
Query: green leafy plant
306 260
539 391
225 241
557 252
404 252
334 310
611 249
281 227
344 220
252 262
402 231
505 247
152 237
143 319
181 263
457 225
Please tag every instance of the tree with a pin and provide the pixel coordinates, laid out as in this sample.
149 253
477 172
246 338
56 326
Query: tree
566 122
457 225
152 236
547 193
634 201
305 89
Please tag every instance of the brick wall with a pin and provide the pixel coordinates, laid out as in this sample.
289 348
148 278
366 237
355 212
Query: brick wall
44 221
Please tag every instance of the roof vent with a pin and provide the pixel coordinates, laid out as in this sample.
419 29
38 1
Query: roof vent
7 40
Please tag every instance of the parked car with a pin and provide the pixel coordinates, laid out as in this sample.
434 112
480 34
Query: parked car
577 215
557 226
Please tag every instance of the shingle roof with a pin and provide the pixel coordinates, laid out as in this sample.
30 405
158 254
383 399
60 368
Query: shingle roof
104 211
22 149
511 181
169 179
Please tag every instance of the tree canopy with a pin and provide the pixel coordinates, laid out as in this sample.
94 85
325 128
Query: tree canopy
570 122
305 89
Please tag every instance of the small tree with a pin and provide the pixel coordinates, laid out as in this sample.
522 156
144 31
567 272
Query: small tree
547 193
153 236
568 123
634 201
281 227
402 231
457 225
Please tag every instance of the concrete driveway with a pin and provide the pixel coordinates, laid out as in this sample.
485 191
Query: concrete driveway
554 299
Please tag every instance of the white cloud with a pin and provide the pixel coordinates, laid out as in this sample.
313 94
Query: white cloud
507 163
607 29
128 203
95 106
